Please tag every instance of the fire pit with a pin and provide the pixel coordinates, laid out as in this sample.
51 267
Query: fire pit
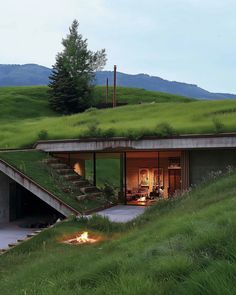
82 238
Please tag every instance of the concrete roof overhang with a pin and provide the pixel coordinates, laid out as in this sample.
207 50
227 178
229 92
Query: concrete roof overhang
118 144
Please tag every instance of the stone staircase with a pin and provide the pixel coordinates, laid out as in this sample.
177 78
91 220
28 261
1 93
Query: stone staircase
78 184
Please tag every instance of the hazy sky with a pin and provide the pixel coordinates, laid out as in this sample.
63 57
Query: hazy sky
184 40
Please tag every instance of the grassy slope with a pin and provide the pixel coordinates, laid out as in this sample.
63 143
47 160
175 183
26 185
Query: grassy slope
187 246
136 120
136 95
20 126
31 164
18 103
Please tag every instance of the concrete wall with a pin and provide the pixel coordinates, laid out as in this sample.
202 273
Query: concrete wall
4 198
203 162
180 142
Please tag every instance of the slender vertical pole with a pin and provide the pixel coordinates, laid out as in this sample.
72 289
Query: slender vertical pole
125 176
107 91
68 159
122 193
158 168
114 88
94 170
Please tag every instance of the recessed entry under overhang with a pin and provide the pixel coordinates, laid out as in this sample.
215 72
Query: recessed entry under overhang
28 210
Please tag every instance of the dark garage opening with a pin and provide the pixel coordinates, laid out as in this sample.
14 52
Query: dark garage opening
29 210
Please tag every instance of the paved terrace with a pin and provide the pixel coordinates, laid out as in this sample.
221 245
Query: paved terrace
11 232
122 213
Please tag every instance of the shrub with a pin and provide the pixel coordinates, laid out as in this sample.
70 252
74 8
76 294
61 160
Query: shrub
43 134
108 191
218 125
164 129
93 130
136 134
109 133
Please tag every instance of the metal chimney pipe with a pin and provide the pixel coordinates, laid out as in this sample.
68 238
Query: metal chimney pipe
114 88
107 91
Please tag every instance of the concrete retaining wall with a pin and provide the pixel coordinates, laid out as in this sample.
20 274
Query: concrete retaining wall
204 162
4 198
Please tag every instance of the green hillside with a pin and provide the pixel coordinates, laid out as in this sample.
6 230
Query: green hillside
17 103
25 118
184 246
136 95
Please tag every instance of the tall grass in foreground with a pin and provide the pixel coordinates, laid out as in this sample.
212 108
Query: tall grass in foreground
184 246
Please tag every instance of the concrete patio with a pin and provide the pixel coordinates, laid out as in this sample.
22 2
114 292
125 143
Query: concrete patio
122 213
10 233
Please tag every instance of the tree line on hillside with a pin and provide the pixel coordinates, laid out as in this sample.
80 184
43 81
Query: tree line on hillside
72 79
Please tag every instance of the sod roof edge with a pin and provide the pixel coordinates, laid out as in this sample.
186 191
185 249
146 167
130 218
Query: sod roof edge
91 139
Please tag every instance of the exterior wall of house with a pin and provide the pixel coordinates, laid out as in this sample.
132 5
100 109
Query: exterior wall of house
4 198
203 162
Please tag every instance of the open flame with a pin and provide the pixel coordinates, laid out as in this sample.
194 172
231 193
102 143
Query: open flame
81 239
84 238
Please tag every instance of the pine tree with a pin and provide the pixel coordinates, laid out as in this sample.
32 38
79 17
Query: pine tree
72 79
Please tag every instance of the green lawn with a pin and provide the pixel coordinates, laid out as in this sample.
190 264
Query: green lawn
185 246
28 120
31 164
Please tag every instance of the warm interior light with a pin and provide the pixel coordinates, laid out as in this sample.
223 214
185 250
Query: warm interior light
141 199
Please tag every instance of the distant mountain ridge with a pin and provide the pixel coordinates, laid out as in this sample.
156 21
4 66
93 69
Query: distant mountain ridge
23 75
33 74
158 84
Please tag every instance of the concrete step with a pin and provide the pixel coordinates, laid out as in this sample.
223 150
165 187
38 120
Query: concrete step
93 196
63 171
12 245
71 177
52 161
32 235
80 183
89 196
90 190
81 197
37 231
59 166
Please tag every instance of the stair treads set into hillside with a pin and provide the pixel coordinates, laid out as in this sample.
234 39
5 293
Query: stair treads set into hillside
74 181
